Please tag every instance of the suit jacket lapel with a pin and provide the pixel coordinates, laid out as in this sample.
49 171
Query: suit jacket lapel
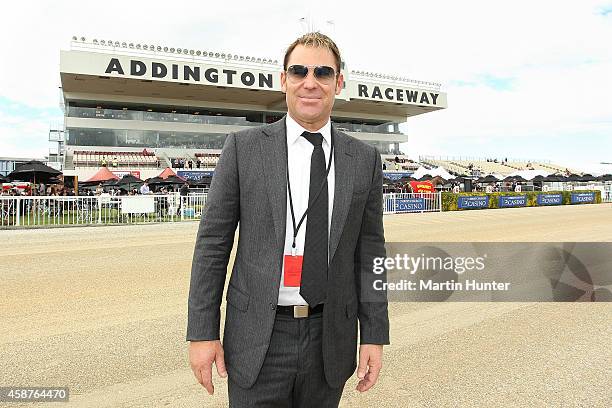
343 193
274 160
273 157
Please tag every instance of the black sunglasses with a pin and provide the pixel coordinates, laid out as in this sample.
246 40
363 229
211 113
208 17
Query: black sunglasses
321 72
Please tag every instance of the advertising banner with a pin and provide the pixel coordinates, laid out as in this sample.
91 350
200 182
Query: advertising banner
409 204
512 201
550 199
473 202
581 198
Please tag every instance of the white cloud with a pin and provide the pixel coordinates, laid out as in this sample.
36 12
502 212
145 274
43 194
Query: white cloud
21 136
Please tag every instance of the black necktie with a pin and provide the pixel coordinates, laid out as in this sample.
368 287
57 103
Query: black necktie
314 265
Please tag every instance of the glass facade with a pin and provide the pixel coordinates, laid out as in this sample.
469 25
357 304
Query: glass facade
248 119
6 166
183 140
124 114
388 128
143 138
384 147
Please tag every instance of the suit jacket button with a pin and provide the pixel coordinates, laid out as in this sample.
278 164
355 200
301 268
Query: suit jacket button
272 306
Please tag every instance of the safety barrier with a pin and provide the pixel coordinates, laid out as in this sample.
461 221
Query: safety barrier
27 211
396 203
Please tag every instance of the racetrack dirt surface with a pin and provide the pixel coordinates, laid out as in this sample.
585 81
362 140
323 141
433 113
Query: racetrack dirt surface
102 310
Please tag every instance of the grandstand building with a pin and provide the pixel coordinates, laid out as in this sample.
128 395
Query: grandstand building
8 164
470 166
141 107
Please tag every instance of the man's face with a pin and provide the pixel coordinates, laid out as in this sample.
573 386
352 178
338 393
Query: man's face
309 100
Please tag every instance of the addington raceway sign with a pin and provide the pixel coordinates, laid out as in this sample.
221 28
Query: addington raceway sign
396 94
136 67
195 73
222 74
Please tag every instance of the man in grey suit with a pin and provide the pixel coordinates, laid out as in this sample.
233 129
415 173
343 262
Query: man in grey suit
309 202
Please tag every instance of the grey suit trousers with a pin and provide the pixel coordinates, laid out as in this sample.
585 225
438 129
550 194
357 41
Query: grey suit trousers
292 375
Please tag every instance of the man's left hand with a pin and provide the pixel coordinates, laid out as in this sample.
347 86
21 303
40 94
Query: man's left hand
370 363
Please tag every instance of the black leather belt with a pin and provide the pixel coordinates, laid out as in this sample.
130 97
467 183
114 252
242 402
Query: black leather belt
299 311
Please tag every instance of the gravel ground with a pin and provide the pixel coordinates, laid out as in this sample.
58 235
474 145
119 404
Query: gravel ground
103 311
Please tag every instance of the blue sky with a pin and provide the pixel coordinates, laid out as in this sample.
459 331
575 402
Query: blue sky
605 10
524 79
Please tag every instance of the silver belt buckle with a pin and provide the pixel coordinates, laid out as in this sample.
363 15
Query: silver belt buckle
300 311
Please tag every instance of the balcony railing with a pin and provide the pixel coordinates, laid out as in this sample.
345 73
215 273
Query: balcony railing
389 128
120 114
116 114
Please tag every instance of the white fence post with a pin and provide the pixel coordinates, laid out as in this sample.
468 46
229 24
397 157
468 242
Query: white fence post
183 203
18 222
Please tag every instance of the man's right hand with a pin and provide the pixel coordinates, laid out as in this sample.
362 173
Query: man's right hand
201 356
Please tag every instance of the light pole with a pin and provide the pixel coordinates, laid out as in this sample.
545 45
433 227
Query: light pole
332 28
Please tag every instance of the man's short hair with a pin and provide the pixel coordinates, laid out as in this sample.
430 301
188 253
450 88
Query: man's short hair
318 40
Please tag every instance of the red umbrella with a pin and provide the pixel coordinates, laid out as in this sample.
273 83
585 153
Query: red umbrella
104 174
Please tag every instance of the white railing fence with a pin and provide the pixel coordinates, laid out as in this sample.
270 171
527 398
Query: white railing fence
23 211
28 211
395 203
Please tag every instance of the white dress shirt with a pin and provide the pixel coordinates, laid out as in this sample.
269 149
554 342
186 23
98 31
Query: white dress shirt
299 151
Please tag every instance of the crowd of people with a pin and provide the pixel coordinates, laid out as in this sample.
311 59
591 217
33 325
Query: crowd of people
55 190
395 164
180 163
457 187
114 162
500 187
39 189
143 189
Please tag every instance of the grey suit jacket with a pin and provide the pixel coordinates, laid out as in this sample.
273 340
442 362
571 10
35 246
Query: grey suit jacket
249 187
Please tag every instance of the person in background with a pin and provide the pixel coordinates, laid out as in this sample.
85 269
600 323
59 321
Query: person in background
184 189
144 189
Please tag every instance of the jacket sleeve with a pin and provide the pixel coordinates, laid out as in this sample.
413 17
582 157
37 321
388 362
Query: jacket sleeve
372 313
213 245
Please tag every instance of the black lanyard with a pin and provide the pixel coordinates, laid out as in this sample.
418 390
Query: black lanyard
297 228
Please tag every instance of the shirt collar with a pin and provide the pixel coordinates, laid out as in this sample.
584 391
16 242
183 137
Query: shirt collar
295 130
